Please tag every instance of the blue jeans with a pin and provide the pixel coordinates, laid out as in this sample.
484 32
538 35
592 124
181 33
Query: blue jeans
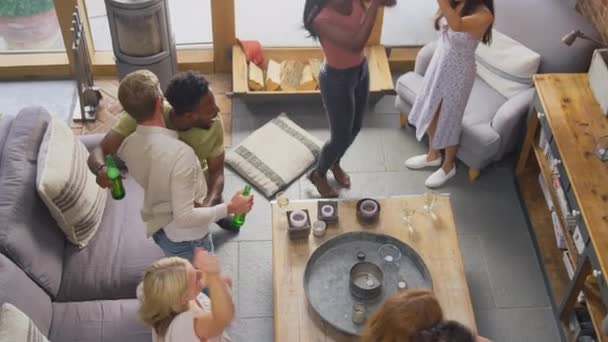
184 249
345 93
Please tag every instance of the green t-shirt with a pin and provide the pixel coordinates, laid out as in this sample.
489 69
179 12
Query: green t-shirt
206 143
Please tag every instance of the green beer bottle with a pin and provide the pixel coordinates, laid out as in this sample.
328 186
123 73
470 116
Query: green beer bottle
113 172
239 219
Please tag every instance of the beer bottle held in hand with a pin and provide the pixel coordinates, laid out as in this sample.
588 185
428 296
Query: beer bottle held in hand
113 172
239 219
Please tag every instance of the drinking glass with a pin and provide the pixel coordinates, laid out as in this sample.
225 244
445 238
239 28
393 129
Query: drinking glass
408 213
430 198
282 201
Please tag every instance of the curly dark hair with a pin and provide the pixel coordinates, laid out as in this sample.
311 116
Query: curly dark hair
446 331
185 91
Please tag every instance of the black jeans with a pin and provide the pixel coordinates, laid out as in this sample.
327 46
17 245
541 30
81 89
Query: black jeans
345 93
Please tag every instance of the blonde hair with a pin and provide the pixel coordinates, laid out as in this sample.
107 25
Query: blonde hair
138 93
164 287
403 316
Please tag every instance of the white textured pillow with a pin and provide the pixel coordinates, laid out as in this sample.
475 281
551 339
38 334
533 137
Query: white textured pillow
506 64
16 326
66 185
274 155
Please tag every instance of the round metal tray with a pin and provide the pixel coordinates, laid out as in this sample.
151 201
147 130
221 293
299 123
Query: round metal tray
326 277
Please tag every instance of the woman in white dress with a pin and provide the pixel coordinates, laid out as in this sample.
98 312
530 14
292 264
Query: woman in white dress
173 305
439 107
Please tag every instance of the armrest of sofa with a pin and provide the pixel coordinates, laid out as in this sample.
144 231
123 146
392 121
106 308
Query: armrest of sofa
423 58
510 113
91 141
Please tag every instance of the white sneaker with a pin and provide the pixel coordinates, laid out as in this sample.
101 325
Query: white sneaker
420 162
439 177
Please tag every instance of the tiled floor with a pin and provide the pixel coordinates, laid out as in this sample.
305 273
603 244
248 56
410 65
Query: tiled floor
506 283
508 293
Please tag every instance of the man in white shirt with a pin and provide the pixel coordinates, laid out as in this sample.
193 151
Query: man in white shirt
169 172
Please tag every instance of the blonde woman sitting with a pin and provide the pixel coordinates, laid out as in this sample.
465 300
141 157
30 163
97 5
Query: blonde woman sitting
174 307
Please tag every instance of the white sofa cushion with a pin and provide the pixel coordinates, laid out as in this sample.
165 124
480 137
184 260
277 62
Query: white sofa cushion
274 155
17 326
66 185
506 64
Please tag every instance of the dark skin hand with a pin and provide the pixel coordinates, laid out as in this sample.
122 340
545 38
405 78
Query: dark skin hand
215 180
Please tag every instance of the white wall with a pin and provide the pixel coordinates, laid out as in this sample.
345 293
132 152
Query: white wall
272 22
410 23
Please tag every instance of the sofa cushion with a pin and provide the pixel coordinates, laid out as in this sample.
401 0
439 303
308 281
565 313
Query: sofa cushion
16 326
408 86
29 236
6 121
482 105
67 186
506 64
18 289
274 155
96 321
113 263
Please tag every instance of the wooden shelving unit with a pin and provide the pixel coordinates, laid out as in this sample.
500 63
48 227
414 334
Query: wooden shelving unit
542 224
548 177
573 117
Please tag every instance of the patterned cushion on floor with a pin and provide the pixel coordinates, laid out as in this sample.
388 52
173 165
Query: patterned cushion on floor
16 326
274 155
66 185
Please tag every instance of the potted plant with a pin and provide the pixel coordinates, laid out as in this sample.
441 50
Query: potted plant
29 24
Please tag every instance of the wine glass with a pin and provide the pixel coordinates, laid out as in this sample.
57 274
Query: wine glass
430 198
408 214
390 255
282 201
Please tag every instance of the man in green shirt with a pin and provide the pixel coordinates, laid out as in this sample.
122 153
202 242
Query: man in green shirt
190 106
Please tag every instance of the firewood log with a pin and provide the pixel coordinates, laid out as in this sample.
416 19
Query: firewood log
273 76
256 77
307 82
291 74
315 65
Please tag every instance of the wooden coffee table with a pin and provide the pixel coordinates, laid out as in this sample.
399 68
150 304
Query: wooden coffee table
435 241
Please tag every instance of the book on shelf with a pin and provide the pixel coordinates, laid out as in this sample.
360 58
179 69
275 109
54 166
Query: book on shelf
557 228
547 152
542 140
545 190
569 267
579 243
561 195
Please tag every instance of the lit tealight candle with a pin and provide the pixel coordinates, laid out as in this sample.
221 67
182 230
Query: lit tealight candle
327 210
297 218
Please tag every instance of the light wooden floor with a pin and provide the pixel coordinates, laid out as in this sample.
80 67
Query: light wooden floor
110 108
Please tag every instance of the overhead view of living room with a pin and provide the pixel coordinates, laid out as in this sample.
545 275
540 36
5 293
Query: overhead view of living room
304 170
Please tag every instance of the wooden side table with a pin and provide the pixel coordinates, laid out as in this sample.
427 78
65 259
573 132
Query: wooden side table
558 155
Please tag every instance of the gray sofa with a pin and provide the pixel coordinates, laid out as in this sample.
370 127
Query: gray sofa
71 294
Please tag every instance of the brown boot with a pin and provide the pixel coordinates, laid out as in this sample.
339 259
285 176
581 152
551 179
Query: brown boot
341 176
323 187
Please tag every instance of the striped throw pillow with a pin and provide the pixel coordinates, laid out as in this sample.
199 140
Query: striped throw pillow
16 326
66 185
275 155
